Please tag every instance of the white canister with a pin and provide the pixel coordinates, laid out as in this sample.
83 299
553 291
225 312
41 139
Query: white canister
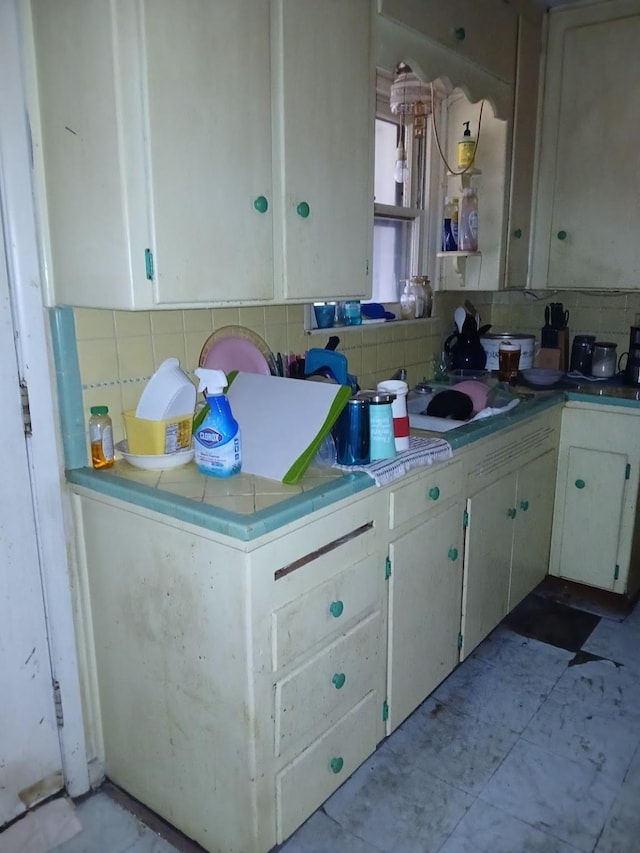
399 410
491 345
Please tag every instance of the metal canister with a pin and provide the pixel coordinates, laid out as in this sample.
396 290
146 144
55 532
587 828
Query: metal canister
351 432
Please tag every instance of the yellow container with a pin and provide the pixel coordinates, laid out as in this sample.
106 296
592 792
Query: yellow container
150 438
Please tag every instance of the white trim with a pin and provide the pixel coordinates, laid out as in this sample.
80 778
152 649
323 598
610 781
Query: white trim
35 366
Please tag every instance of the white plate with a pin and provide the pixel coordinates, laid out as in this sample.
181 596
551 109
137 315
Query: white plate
158 462
542 375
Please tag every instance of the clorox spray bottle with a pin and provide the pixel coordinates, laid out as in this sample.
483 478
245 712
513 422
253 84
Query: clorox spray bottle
217 438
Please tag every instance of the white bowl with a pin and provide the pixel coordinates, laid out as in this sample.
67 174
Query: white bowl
158 462
542 375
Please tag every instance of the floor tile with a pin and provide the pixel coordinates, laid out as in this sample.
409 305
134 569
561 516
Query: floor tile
618 642
482 690
552 622
486 828
519 656
105 827
562 797
397 808
321 834
623 824
602 687
460 750
604 736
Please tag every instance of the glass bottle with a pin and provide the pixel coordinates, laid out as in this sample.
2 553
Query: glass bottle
101 437
449 239
468 221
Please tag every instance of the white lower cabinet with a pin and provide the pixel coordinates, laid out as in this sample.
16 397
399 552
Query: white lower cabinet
238 683
425 588
594 539
508 523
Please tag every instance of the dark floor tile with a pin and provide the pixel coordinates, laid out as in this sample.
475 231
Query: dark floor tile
552 622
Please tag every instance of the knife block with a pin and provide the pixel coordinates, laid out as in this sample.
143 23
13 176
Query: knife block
563 346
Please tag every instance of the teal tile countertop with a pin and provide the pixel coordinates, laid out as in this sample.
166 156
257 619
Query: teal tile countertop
246 507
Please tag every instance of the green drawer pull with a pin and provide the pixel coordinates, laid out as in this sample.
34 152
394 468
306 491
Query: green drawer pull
453 554
580 484
517 233
336 608
562 235
338 680
303 209
459 34
261 204
434 493
511 513
336 764
524 505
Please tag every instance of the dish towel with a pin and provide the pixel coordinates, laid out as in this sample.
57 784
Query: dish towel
421 452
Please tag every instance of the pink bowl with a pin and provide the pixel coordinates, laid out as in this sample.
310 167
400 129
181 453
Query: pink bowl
478 392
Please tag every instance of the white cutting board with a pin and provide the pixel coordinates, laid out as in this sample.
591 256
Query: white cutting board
283 421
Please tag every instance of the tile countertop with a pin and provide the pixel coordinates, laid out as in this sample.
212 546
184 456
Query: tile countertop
246 507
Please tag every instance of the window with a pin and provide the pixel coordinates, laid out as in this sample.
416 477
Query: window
399 214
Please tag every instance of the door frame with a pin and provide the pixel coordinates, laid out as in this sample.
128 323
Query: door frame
35 367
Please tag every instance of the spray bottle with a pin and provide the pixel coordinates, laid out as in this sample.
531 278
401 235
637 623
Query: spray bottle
217 438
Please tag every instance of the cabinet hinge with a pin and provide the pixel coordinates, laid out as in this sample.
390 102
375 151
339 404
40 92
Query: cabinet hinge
459 640
26 410
367 273
57 701
627 471
385 711
465 519
148 262
616 573
387 568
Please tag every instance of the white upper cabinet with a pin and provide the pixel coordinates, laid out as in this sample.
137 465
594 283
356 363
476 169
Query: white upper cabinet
203 153
589 177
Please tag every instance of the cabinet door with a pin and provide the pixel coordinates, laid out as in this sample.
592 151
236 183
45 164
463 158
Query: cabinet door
424 602
589 163
523 153
324 94
593 500
532 530
487 560
209 147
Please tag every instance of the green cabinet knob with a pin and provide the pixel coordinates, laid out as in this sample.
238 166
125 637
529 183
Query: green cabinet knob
338 680
434 493
524 505
336 608
459 34
580 484
261 204
336 764
511 513
303 209
517 233
562 235
453 554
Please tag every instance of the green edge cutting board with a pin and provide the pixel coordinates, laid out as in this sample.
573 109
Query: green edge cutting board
283 422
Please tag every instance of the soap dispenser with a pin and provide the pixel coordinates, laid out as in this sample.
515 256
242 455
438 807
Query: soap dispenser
466 148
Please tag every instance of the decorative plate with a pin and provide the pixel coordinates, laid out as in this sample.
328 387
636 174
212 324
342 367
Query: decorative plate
237 348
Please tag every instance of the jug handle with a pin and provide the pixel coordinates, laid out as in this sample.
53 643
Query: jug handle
447 347
622 355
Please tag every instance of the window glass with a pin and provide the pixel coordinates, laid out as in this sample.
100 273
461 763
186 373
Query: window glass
392 243
385 188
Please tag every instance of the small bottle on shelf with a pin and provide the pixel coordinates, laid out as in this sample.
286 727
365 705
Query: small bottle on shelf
468 223
101 437
450 226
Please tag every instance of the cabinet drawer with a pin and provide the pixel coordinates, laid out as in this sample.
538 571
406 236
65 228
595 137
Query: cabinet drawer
310 778
315 695
314 617
426 493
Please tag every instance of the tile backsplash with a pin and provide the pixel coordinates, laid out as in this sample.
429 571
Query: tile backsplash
118 351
